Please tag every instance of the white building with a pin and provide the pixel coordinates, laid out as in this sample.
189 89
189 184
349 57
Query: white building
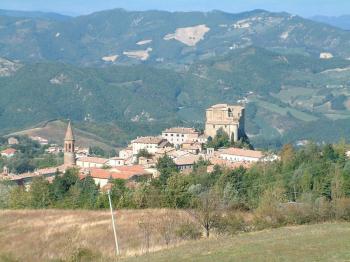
12 141
179 135
150 143
42 141
116 161
81 152
126 153
92 162
240 155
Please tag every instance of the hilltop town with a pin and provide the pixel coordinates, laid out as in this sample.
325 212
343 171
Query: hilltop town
184 145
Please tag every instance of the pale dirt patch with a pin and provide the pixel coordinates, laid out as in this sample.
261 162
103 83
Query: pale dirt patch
326 55
111 58
144 42
189 35
142 55
8 68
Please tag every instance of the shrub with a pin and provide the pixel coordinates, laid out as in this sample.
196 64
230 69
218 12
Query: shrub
341 208
84 255
269 212
188 231
231 223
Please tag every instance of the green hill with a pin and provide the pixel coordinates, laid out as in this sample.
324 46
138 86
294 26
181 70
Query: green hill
138 72
283 92
87 40
324 242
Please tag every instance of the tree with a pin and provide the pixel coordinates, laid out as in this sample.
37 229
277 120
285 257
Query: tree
5 189
207 210
88 193
62 184
287 155
118 192
166 167
143 153
97 151
177 192
328 153
221 139
40 193
19 198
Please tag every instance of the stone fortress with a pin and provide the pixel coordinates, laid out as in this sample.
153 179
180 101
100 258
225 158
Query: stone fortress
228 117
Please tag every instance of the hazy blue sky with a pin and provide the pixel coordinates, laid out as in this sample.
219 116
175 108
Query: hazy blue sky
301 7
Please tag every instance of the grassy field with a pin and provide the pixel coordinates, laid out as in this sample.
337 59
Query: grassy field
67 236
324 242
56 235
55 131
283 111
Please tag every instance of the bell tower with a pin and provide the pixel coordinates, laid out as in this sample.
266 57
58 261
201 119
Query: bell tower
69 147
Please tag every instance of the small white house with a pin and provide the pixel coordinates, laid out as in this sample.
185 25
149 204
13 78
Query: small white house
9 152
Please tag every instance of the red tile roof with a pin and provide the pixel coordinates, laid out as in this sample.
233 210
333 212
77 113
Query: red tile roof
123 172
9 151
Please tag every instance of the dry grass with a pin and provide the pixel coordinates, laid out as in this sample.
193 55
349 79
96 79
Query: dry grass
321 242
55 131
58 234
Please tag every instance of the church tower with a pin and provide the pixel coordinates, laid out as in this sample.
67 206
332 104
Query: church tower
69 147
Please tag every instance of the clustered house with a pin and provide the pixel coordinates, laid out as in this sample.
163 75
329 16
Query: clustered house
180 135
185 146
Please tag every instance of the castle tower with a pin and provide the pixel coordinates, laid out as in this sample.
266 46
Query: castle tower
229 118
69 147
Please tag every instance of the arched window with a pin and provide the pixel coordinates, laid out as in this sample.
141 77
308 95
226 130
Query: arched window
230 112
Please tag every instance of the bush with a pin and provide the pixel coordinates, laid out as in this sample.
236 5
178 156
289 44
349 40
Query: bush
231 223
188 231
341 208
298 213
269 213
84 255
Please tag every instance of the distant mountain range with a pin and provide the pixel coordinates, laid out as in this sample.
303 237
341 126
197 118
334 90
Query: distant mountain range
38 15
120 74
162 38
338 21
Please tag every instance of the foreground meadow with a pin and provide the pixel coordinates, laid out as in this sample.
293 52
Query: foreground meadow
58 235
322 242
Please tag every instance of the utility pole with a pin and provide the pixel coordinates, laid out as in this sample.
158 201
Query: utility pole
295 193
113 224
